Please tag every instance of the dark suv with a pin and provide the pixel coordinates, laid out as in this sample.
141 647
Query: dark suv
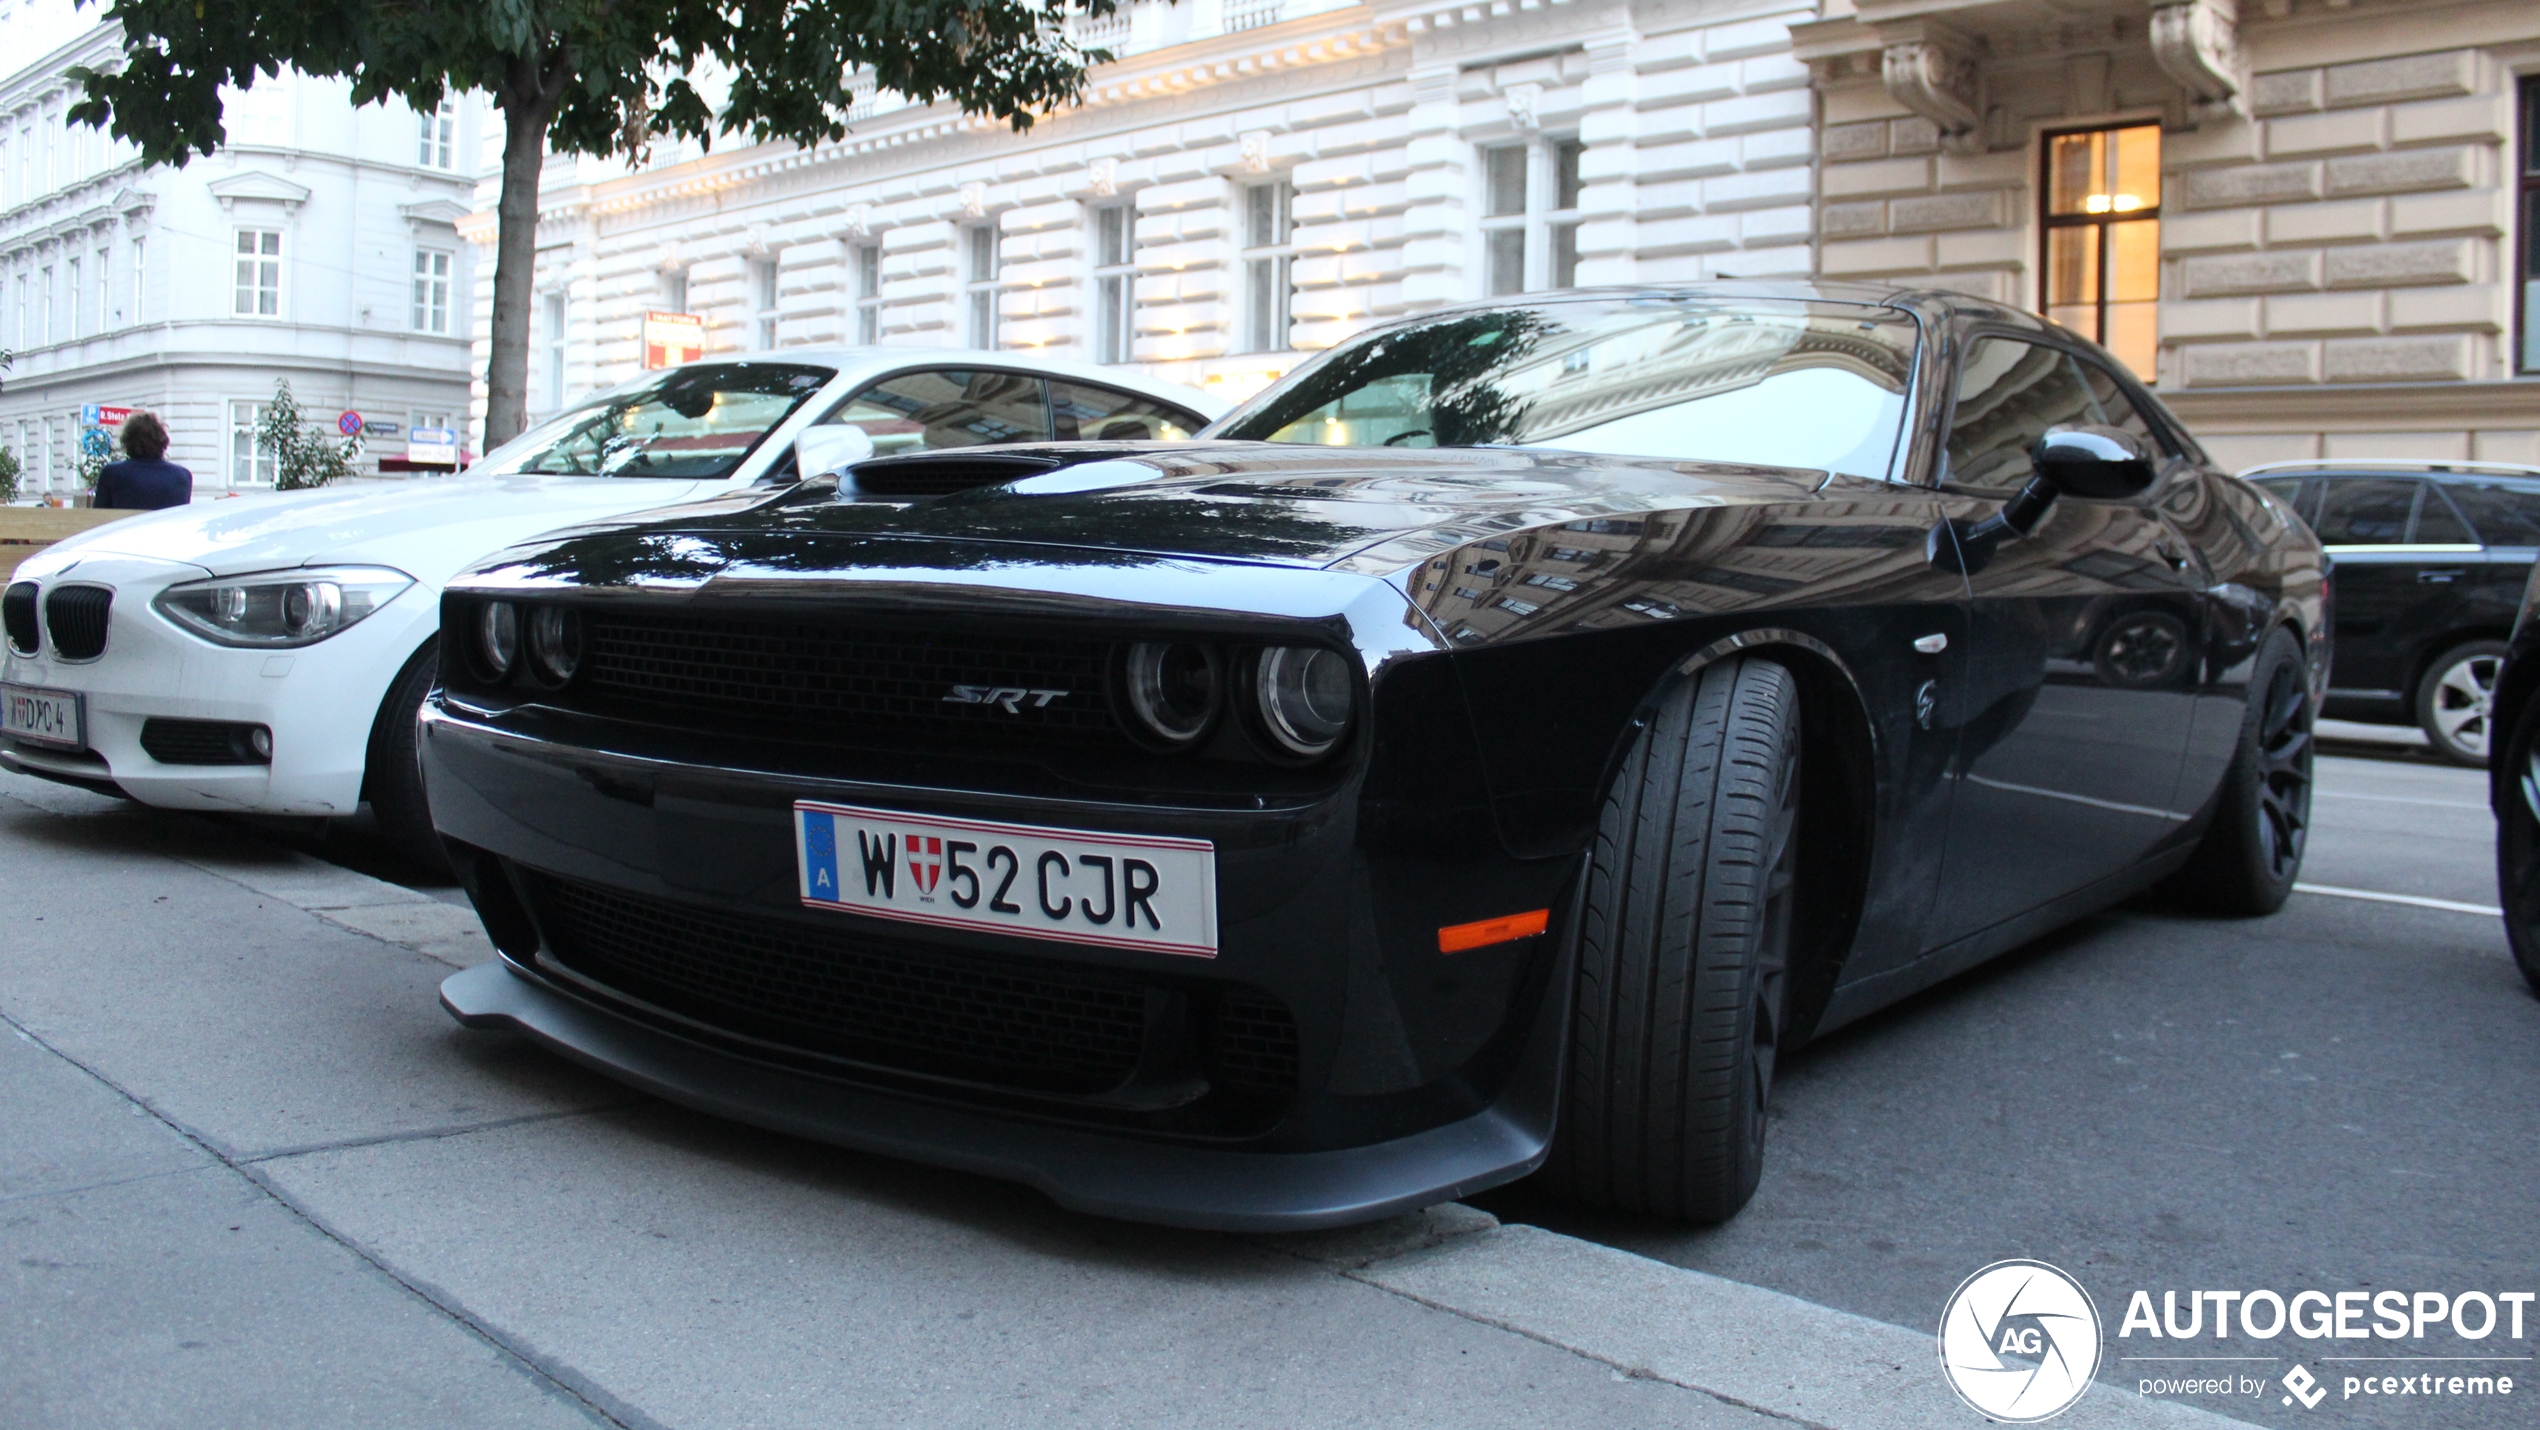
2428 564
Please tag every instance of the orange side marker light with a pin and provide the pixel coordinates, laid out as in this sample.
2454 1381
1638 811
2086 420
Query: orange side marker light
1507 928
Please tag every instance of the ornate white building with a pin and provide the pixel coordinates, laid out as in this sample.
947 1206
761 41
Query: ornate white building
1249 182
319 245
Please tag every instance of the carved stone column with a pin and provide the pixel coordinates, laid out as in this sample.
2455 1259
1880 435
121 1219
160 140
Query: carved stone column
2197 43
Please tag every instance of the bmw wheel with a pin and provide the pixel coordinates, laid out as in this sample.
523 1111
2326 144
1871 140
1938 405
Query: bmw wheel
1683 954
2518 843
2454 698
2252 852
393 779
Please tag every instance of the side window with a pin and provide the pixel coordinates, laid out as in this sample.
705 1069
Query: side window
2366 511
2437 523
2287 490
2009 393
2117 410
928 411
2502 515
1099 414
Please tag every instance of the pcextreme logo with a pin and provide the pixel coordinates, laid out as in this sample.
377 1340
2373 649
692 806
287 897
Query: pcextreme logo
2019 1341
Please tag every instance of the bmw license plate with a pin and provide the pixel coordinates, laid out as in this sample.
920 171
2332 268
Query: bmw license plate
1070 885
43 717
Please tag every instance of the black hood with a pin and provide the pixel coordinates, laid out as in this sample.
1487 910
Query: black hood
1370 510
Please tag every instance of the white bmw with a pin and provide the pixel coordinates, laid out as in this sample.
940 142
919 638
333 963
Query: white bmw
267 654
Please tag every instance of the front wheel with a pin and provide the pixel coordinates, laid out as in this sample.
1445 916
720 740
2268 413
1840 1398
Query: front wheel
394 778
2518 843
1684 950
2252 853
2455 698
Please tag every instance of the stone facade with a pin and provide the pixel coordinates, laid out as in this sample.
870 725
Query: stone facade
119 282
1693 122
2337 202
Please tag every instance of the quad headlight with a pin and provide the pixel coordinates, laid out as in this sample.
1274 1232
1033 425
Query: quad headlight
555 643
1175 691
278 610
493 646
1306 698
502 636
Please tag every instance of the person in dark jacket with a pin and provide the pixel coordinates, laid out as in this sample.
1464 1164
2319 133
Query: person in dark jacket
144 480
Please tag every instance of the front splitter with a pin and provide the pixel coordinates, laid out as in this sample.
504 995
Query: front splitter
1133 1179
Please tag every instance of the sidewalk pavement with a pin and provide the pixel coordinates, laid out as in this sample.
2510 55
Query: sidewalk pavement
250 1173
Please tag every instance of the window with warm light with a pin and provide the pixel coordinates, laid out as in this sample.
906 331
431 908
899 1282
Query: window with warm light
2103 239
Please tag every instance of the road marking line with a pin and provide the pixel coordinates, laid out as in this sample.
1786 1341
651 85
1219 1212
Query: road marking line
2412 900
2405 799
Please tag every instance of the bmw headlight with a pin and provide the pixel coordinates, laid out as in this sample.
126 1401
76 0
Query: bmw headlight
276 610
1306 698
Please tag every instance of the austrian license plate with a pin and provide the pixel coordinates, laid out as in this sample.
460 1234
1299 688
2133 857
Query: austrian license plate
44 717
1070 885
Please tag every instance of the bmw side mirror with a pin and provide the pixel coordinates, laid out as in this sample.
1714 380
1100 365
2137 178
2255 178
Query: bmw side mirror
2097 463
826 451
2107 463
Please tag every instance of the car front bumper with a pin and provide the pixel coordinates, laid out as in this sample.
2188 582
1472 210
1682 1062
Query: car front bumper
1212 1188
319 702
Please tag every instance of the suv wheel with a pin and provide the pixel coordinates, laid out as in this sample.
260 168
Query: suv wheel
2454 698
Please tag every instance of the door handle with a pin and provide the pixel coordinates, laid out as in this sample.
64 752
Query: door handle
2440 578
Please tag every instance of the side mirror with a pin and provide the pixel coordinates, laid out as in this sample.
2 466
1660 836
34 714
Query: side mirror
2101 462
827 450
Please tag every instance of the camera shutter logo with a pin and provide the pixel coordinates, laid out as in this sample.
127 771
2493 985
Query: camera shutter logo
2019 1341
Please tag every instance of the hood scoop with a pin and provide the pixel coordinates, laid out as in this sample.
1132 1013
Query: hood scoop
935 474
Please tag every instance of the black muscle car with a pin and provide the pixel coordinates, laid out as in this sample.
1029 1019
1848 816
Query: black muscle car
1485 750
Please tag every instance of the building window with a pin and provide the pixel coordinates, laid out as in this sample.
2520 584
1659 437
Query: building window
105 289
2530 237
2103 239
1530 216
674 290
1115 283
259 287
432 291
762 275
868 293
1269 255
436 136
78 295
555 351
21 310
44 289
984 260
140 271
250 460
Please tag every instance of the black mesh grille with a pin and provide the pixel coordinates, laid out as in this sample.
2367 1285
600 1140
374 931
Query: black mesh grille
17 612
1256 1042
1037 1027
850 681
76 616
201 742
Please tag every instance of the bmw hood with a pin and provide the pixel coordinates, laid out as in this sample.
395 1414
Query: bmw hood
1370 511
426 528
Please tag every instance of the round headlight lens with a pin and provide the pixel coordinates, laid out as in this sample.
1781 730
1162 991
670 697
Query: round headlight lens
555 643
498 637
1306 698
1174 690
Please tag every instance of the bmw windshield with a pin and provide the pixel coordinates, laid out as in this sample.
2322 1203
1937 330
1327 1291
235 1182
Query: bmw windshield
696 422
1761 381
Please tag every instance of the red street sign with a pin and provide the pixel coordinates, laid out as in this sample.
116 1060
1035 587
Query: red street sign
106 416
350 424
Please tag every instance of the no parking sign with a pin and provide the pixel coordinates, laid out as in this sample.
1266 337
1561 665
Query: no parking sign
349 423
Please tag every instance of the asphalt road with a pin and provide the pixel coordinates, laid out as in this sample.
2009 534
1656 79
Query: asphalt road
250 1174
2338 1097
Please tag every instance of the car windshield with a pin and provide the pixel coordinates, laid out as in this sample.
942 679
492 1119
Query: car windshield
696 422
1767 382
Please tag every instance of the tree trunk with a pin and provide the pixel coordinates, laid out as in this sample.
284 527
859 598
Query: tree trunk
525 119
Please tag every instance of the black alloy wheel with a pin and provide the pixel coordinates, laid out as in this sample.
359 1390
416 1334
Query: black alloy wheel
2455 698
1683 954
2252 853
392 778
2518 843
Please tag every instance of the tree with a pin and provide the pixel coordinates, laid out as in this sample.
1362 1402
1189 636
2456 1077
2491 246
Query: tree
302 456
596 77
